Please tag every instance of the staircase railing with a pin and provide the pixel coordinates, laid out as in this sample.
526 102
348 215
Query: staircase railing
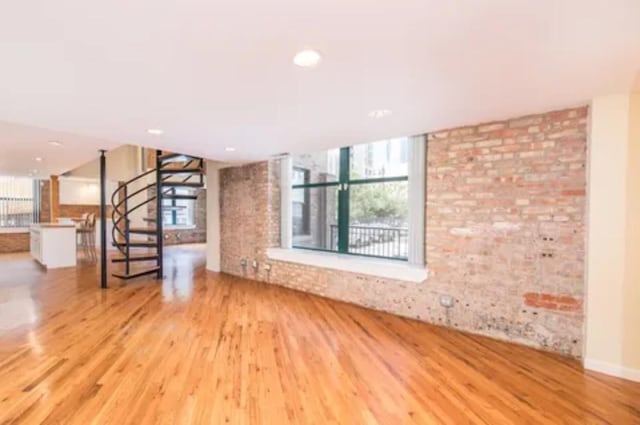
121 231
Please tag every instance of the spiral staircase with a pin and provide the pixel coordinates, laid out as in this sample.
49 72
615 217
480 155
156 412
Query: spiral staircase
141 247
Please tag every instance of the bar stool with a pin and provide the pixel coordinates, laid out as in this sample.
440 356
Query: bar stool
87 232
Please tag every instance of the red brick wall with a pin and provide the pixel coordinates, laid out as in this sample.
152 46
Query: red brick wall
14 242
504 233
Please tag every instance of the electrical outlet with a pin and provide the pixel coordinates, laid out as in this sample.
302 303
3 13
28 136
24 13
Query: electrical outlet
243 262
267 267
446 301
255 264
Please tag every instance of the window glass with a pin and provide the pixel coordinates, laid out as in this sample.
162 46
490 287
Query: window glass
179 212
315 217
386 158
363 212
378 219
19 201
319 167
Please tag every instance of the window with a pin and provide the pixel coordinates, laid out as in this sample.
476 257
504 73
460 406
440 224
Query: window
179 212
353 200
19 201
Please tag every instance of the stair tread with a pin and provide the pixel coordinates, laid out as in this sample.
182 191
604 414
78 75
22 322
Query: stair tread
136 274
192 170
145 230
183 184
137 244
187 197
179 157
138 257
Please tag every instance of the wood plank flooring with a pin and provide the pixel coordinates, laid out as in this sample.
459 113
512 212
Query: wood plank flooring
205 348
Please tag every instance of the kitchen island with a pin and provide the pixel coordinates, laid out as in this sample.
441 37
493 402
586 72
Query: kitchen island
54 244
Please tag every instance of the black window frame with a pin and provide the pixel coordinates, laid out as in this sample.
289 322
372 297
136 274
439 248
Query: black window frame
344 184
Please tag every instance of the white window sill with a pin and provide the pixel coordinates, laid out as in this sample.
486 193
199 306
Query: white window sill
14 230
389 269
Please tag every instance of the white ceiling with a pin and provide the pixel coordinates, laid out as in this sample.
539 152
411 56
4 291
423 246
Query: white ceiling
214 74
20 145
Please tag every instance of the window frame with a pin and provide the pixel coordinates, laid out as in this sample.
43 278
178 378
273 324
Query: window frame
344 184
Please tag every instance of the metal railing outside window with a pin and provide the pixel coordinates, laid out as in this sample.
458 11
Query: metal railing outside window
19 201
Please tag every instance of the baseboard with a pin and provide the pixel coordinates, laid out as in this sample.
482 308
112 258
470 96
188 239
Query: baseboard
612 369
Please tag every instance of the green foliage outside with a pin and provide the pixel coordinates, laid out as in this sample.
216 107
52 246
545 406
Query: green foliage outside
378 201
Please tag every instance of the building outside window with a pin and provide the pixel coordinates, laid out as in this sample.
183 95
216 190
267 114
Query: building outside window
353 200
19 201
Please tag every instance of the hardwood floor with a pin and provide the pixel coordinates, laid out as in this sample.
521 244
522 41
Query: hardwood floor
204 348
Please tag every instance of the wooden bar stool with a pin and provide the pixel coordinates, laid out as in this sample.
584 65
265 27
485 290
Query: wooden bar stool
87 232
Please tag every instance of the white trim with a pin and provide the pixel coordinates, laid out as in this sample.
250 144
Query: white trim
416 207
14 230
612 369
389 269
285 202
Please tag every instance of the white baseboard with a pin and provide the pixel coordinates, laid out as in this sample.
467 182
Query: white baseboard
612 369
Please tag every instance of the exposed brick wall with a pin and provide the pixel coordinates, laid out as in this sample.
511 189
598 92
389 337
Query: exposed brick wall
14 242
504 233
45 201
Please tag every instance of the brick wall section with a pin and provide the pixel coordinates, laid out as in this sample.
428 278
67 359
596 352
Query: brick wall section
14 242
504 234
45 201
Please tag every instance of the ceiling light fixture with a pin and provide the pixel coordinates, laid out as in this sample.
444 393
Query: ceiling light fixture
155 131
379 113
55 143
307 58
38 159
34 171
230 149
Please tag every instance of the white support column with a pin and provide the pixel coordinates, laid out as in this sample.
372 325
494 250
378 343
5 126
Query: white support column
213 216
417 180
285 202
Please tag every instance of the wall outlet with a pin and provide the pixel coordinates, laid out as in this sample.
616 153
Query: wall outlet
255 264
243 262
446 301
267 267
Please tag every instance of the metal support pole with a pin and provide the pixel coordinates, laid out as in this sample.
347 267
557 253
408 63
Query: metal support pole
103 220
127 236
159 239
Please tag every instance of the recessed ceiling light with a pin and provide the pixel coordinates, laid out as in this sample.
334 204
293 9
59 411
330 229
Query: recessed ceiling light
37 158
34 171
379 113
307 58
55 143
155 131
230 149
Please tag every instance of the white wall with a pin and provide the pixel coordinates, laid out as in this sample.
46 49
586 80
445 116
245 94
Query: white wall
75 191
123 163
612 322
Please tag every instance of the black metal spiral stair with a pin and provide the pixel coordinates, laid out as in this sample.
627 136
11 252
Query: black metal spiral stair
172 171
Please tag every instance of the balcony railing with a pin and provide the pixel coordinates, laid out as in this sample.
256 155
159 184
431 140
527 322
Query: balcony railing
389 242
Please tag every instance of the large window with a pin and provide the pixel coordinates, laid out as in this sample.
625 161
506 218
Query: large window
179 213
353 200
19 201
